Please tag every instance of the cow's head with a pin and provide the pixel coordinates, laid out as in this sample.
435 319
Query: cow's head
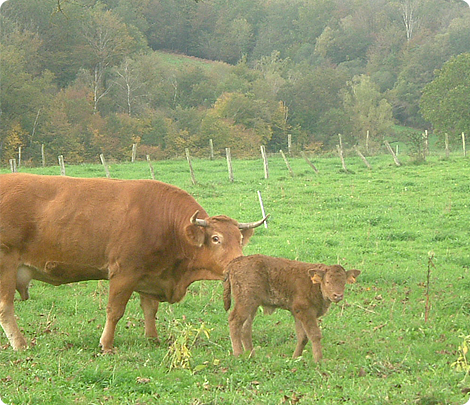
219 240
332 280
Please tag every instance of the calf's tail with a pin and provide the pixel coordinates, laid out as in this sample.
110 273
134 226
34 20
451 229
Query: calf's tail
227 292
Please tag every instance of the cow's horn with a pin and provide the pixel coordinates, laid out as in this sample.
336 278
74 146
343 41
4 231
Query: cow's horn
196 221
249 225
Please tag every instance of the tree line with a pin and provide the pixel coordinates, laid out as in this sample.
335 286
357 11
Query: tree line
87 77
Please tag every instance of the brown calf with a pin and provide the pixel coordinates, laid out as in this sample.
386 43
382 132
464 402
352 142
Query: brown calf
305 289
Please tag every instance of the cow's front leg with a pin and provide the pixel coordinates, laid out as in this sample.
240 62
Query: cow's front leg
149 306
120 290
8 268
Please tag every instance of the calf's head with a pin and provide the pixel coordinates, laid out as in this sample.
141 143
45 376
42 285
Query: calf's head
218 240
332 280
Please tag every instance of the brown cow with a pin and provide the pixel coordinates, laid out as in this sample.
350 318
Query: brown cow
305 289
141 235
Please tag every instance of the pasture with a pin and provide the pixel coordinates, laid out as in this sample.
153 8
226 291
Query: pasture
392 340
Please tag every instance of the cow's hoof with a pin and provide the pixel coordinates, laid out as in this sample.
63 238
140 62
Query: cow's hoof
19 344
154 340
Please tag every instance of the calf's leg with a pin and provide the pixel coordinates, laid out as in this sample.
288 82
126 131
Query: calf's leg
149 306
308 321
236 320
247 330
302 338
8 268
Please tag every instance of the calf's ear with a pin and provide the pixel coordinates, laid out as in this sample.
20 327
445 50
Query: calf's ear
195 235
352 275
316 275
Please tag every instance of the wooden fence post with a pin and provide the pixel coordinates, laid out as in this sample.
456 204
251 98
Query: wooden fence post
13 165
43 155
191 171
309 162
426 144
341 154
152 172
134 152
229 164
62 165
211 146
265 161
463 145
446 140
287 163
105 165
20 152
367 142
362 157
397 162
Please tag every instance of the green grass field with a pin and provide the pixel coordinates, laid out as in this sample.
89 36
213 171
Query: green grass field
378 346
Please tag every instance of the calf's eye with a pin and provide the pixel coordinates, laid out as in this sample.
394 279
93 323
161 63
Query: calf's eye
215 239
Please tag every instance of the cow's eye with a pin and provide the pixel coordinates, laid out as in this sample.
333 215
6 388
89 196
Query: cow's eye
215 239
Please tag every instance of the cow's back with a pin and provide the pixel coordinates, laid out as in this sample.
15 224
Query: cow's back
87 220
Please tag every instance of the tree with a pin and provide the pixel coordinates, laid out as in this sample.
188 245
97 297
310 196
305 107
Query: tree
25 93
368 110
109 43
345 41
445 100
409 10
311 94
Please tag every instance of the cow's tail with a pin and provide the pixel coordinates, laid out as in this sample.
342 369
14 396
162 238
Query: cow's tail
227 292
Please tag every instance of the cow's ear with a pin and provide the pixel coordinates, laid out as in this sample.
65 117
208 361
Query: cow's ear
316 275
352 275
195 235
246 233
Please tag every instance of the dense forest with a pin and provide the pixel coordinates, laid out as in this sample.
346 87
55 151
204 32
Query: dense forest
86 77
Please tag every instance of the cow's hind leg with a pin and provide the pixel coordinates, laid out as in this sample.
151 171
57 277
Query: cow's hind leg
8 269
302 338
149 306
120 290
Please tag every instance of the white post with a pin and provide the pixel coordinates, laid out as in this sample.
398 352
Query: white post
263 212
211 145
105 165
134 152
265 161
446 140
191 171
43 155
463 145
152 172
229 164
62 165
397 162
367 142
13 165
287 163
